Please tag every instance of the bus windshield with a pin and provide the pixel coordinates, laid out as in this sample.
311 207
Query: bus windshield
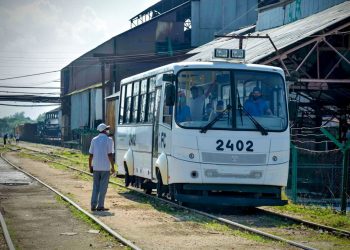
202 95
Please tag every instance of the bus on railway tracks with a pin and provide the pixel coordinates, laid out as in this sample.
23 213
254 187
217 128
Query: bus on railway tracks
193 132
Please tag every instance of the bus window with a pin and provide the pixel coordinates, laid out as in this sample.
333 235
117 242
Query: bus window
262 95
143 99
167 114
135 101
151 99
202 94
128 103
122 103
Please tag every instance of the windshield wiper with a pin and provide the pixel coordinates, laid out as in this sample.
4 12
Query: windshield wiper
256 123
240 107
218 117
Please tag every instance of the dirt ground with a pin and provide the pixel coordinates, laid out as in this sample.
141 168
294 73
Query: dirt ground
3 244
37 220
143 224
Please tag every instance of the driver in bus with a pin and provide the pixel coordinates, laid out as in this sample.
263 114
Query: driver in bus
256 105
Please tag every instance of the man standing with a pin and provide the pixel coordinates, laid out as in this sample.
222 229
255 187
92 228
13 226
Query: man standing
197 102
101 158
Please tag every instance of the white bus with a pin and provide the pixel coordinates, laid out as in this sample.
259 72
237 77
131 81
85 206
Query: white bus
198 133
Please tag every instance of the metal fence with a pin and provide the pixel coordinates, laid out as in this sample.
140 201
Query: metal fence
318 167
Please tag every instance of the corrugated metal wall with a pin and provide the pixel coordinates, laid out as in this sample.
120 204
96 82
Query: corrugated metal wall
95 106
220 16
291 12
79 110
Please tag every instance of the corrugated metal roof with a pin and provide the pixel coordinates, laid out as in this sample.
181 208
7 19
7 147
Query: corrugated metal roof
257 49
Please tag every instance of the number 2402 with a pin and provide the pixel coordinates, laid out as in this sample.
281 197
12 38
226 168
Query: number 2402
240 146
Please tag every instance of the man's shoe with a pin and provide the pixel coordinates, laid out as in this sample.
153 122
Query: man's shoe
102 209
93 209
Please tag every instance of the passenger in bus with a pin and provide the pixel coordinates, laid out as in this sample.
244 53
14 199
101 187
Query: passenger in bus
218 110
198 100
208 110
183 112
256 105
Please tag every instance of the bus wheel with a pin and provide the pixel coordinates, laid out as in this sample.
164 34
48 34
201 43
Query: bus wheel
127 179
148 191
172 191
159 185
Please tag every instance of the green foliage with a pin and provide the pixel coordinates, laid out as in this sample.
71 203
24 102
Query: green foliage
8 124
41 118
323 215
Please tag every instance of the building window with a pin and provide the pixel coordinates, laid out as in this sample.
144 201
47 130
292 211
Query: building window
187 24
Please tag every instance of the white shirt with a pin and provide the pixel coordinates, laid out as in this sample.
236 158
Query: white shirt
196 106
100 147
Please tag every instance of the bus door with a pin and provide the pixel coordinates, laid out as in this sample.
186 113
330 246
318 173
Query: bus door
156 128
161 129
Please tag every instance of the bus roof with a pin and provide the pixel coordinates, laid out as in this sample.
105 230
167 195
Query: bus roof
201 65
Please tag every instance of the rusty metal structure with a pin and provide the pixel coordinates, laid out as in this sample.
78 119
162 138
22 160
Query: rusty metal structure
313 51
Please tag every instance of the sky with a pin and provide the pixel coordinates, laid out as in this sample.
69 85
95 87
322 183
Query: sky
38 36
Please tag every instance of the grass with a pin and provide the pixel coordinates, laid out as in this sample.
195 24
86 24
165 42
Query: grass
322 215
215 226
187 217
83 217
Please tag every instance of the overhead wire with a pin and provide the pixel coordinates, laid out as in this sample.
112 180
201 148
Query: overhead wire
28 87
243 14
34 84
29 105
99 63
131 55
22 76
36 93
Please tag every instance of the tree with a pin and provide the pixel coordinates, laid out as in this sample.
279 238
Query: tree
8 124
41 118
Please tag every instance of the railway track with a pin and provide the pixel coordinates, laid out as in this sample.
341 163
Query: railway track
228 220
6 233
105 227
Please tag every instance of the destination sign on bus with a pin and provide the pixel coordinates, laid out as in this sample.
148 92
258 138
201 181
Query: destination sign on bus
229 53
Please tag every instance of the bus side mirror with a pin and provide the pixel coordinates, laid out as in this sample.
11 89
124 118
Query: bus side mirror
168 78
169 94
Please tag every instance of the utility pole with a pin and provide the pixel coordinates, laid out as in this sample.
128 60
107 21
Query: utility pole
103 91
